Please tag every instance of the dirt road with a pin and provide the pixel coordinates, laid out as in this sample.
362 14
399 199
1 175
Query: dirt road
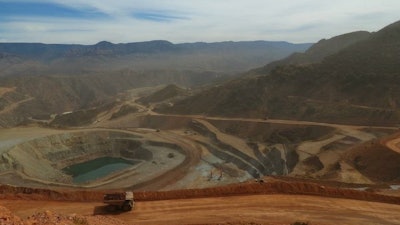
14 105
278 121
262 209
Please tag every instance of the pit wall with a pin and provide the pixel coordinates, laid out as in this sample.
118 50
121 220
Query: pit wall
44 158
273 144
270 163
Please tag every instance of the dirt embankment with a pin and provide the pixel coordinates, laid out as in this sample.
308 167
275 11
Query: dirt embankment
375 160
7 217
50 218
249 188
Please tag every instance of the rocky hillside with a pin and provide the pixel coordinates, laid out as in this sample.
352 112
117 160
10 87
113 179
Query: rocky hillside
169 92
317 52
41 96
364 159
362 79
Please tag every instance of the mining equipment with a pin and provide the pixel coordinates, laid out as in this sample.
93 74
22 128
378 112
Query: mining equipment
119 201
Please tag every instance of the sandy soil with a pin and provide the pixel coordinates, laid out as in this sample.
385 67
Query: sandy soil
311 148
235 142
260 209
13 136
4 90
394 144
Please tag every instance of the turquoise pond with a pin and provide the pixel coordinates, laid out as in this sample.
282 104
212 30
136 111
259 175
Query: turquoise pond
97 168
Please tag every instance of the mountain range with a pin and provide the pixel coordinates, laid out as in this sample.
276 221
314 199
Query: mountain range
222 57
42 79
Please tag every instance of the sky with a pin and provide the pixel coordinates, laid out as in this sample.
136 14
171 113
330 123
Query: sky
179 21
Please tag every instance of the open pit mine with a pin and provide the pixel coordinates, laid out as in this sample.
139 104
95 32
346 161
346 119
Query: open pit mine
147 152
199 161
92 158
160 152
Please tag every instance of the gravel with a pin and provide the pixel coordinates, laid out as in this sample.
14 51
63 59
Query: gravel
52 218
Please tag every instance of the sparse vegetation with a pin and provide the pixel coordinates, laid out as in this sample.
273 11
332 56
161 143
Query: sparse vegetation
124 110
169 92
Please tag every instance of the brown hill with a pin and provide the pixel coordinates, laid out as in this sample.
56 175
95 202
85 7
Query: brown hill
168 92
41 96
362 79
317 52
376 160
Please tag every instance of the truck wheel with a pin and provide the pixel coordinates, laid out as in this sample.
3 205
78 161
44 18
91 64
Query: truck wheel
127 207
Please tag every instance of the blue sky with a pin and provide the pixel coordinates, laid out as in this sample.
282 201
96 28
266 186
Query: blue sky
121 21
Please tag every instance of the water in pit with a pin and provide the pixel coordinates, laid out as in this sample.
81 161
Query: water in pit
97 168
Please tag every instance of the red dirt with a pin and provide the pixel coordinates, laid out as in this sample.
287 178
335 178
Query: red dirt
50 218
272 202
249 209
256 188
8 218
375 160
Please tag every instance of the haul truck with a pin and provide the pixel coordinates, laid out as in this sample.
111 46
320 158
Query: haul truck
119 201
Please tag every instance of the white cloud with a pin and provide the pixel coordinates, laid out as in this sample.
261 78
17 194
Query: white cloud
206 20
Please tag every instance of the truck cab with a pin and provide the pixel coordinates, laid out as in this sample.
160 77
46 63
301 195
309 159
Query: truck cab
119 201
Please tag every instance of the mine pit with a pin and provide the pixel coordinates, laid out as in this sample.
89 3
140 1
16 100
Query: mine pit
91 158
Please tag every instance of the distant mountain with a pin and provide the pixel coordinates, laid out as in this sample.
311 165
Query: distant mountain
54 51
358 85
7 60
36 51
105 48
317 52
8 57
222 57
51 52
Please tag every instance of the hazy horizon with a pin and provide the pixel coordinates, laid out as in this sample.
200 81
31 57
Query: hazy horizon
124 21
